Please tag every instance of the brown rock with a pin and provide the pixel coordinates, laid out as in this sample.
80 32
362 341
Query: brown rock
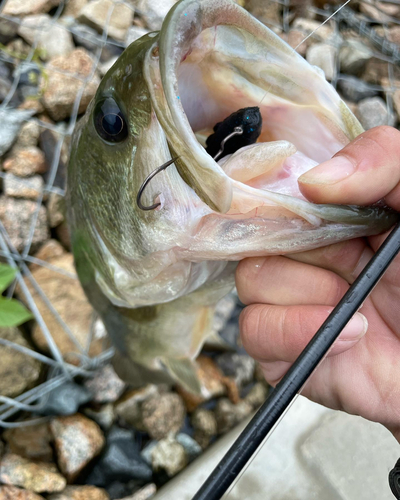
105 386
228 415
32 103
205 426
60 90
18 371
380 11
80 493
73 7
376 71
32 442
56 209
14 493
47 252
28 135
257 395
26 7
78 440
26 162
63 234
29 188
96 14
17 215
269 13
211 380
68 298
163 415
37 477
129 407
168 455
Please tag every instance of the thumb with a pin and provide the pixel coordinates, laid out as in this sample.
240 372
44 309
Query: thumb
363 172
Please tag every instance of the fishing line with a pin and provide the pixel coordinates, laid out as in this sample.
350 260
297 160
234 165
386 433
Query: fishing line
311 34
283 395
326 20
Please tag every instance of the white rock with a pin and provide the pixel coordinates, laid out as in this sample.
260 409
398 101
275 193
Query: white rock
373 112
51 38
323 56
26 7
353 56
154 11
97 15
134 32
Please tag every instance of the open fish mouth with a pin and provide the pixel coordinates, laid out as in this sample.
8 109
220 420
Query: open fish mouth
211 59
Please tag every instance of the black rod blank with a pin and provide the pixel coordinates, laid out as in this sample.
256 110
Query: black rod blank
280 398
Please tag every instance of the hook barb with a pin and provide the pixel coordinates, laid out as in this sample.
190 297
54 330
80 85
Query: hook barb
145 183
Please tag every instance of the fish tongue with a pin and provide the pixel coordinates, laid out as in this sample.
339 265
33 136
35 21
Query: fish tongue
258 159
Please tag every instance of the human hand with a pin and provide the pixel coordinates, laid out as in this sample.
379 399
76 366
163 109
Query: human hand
288 298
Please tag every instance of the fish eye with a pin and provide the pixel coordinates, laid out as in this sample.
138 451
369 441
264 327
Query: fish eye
109 121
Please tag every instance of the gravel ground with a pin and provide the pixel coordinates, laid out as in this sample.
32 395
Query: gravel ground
100 439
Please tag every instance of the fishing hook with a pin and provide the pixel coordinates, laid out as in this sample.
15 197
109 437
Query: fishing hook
236 131
147 180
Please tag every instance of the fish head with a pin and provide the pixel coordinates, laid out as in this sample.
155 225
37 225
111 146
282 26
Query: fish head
165 92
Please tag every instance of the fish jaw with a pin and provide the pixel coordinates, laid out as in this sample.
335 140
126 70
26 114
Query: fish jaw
215 54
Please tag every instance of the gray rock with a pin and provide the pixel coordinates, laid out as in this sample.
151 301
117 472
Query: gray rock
354 89
168 455
154 12
205 426
11 121
26 7
96 15
120 461
65 400
5 86
240 367
323 56
228 415
29 188
163 415
105 386
8 29
353 57
40 29
191 447
17 215
18 371
373 112
85 36
134 33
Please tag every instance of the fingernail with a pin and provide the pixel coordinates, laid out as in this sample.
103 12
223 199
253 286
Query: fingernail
355 329
329 172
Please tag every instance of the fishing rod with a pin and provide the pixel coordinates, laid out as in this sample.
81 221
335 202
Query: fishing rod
291 384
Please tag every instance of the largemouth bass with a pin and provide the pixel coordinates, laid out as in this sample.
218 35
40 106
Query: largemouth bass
155 276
